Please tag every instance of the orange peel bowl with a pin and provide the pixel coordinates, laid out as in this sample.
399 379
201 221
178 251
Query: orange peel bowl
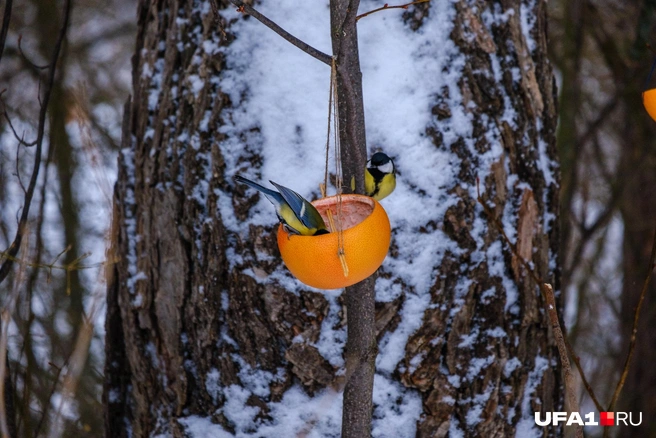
314 259
649 101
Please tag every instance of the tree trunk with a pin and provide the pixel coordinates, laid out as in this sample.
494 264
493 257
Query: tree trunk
202 331
361 349
470 378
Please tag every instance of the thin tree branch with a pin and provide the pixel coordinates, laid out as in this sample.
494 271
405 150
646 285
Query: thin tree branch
594 126
572 402
15 246
636 317
583 287
244 8
588 232
69 382
28 338
34 65
586 384
386 6
11 125
602 219
600 159
53 390
18 175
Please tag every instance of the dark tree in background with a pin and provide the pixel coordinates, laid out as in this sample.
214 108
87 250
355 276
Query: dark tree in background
606 143
68 212
175 293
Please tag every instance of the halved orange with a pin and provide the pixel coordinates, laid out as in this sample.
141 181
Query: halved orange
649 101
366 238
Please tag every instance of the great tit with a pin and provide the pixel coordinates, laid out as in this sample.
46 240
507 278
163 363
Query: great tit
379 176
295 213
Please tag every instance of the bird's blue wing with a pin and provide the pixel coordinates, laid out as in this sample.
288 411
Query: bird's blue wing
298 205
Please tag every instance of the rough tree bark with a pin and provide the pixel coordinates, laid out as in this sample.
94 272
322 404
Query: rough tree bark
186 323
520 372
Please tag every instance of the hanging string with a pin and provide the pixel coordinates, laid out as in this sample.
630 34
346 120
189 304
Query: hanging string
324 186
333 112
339 180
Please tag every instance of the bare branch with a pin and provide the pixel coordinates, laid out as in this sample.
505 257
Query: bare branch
594 126
570 397
34 65
586 384
15 246
386 6
20 139
244 8
53 390
70 380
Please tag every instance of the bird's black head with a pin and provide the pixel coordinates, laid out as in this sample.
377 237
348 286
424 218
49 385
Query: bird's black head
379 158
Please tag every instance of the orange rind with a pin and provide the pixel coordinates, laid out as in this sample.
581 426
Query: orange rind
365 238
649 101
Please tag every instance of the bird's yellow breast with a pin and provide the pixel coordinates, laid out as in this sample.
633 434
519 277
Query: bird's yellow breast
385 187
369 184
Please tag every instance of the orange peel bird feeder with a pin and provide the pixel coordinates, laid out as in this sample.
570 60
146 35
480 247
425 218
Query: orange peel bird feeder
346 255
359 229
649 101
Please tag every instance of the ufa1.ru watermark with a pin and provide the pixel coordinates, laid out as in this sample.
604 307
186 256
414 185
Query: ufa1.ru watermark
574 418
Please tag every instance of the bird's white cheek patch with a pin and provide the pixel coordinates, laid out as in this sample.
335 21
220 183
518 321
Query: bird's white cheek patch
386 168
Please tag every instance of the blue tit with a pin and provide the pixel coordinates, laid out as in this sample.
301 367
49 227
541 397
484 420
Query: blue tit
295 213
379 176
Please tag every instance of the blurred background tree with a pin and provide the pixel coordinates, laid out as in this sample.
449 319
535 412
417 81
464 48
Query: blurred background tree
71 208
608 207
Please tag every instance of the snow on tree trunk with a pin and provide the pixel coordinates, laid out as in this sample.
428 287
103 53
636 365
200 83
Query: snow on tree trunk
208 333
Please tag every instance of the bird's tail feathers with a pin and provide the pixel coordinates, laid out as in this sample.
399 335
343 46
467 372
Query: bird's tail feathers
256 186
